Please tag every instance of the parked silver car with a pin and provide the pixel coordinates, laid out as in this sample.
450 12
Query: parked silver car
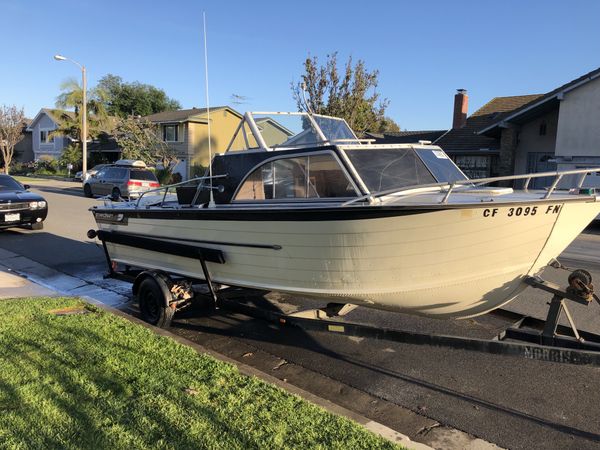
79 175
124 179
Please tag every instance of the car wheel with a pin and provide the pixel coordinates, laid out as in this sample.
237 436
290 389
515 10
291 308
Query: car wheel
87 190
37 226
116 194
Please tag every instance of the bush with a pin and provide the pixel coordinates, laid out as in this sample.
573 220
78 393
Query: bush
163 175
198 170
22 168
46 165
71 154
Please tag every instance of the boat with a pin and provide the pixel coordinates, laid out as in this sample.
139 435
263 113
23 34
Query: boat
298 204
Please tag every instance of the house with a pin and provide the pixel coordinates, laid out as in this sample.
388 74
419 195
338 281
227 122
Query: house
105 146
558 129
478 156
186 132
43 142
523 134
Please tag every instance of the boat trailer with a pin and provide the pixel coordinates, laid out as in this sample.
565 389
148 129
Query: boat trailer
160 295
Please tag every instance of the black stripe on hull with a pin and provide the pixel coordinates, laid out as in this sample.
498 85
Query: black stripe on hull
197 241
157 245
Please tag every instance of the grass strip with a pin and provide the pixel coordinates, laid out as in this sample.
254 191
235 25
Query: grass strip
97 381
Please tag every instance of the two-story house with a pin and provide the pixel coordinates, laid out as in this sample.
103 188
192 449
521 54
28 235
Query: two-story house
558 129
186 132
44 143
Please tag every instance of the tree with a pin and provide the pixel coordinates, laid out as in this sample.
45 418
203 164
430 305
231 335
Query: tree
387 124
128 99
11 127
70 121
71 154
140 139
351 95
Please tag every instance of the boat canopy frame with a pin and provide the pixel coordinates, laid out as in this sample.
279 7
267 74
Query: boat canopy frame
249 120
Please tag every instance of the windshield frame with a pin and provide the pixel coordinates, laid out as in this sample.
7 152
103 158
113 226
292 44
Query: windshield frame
252 128
359 175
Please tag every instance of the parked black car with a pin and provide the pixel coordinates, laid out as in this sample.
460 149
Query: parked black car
19 207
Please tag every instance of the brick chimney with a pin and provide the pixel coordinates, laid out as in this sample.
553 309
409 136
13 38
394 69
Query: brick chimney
461 107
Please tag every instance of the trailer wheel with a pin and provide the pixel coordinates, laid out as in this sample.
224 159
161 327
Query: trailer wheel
153 304
580 275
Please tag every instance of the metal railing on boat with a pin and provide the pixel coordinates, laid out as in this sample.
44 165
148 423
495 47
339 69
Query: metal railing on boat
450 187
199 188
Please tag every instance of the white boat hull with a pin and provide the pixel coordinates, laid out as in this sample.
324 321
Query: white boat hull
455 262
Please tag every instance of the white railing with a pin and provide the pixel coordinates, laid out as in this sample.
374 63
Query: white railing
450 187
199 188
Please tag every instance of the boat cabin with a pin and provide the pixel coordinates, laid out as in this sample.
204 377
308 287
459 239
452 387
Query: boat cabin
285 157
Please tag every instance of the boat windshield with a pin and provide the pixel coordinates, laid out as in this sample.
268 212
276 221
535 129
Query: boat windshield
282 130
385 169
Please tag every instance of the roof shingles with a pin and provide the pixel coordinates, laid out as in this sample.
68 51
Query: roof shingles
466 138
543 98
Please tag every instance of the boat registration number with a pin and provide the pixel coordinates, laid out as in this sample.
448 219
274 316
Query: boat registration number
12 217
518 211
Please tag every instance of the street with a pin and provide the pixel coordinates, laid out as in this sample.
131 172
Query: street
514 403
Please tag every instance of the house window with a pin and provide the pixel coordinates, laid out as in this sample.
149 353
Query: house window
170 133
45 137
543 128
474 166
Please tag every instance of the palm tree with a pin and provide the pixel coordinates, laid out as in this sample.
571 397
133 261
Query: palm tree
71 96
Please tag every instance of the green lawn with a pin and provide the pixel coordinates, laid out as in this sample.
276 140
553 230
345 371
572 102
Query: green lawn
97 381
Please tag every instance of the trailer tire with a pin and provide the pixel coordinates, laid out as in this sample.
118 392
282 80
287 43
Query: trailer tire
154 306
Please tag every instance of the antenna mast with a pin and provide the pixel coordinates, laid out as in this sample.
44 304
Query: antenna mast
211 203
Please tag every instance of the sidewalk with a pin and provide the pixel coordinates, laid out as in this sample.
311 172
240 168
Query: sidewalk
54 281
13 285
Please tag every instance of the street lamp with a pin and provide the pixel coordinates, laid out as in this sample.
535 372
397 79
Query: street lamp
83 112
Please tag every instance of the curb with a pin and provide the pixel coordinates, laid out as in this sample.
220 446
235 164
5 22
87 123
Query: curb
46 177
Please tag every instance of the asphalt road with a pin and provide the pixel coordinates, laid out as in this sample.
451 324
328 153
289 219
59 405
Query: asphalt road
512 402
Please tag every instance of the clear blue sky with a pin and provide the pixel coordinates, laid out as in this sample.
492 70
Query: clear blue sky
423 50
